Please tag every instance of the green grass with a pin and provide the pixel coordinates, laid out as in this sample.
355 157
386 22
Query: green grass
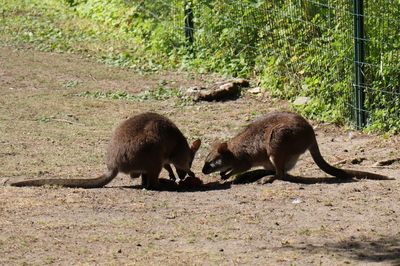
51 25
159 94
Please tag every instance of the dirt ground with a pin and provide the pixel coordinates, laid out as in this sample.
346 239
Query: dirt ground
48 130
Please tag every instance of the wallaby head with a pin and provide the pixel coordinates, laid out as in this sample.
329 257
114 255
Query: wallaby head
220 159
184 168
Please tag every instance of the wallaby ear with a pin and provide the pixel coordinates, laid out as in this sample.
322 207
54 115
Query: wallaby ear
195 145
222 147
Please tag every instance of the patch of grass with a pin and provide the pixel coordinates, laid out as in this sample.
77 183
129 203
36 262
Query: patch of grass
159 94
44 119
70 84
58 26
50 260
118 95
305 232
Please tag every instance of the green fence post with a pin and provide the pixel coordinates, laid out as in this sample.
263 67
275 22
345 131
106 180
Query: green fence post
189 24
359 56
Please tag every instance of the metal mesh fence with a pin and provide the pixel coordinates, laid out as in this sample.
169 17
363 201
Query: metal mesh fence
297 47
381 67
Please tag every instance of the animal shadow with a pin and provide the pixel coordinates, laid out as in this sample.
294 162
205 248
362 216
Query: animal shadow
170 185
374 250
265 176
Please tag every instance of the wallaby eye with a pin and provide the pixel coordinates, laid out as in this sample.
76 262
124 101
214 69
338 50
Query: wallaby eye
216 162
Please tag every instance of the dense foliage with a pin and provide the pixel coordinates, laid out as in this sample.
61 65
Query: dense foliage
294 48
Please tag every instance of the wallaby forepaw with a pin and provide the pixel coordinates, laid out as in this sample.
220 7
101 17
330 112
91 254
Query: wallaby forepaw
266 179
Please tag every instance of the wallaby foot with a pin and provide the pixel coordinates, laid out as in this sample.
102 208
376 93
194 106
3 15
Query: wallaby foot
168 184
253 176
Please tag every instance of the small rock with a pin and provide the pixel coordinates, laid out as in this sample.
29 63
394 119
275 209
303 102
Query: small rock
357 160
195 92
296 201
255 90
301 100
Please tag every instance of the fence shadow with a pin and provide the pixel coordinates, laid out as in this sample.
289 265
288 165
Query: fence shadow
384 250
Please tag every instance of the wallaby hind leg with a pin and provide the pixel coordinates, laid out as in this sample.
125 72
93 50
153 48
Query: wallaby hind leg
279 163
153 182
260 176
144 181
150 180
134 175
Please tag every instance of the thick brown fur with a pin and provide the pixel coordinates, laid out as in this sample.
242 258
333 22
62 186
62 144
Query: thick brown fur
275 142
140 146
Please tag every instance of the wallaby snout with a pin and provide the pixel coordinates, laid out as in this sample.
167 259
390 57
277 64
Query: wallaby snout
207 169
211 167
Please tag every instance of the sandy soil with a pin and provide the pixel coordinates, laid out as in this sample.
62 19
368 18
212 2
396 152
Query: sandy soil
48 130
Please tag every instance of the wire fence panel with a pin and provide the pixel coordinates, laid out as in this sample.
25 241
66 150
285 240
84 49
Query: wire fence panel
295 48
382 62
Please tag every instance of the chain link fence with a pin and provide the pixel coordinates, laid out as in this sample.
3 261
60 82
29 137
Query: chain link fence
344 55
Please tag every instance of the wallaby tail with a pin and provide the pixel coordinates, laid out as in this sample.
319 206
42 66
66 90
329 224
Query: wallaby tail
340 173
72 183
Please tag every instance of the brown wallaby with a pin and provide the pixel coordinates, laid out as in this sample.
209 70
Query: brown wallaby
275 142
141 145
